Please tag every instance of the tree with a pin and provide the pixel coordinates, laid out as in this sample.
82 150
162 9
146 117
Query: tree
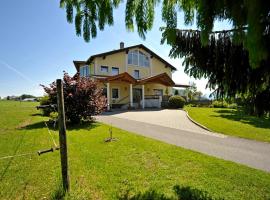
249 18
24 96
176 92
235 61
83 98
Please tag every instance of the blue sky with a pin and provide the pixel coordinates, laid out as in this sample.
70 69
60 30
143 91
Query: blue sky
37 45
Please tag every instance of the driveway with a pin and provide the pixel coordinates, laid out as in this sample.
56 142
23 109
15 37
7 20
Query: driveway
173 127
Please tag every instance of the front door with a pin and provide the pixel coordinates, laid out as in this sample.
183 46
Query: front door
137 95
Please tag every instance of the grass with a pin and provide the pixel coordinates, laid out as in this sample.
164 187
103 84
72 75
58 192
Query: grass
147 168
232 122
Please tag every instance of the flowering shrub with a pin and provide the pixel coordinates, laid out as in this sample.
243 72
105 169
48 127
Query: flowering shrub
83 98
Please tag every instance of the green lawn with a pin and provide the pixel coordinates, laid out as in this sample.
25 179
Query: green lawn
232 122
100 170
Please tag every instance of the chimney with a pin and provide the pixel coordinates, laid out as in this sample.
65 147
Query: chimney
122 45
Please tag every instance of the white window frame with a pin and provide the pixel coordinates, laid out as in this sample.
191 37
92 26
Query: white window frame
138 74
84 71
104 66
144 56
158 90
113 69
118 89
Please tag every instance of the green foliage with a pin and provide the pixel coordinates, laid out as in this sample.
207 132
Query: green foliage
250 19
223 104
218 61
24 96
232 106
176 102
220 104
53 116
236 61
176 92
89 14
45 100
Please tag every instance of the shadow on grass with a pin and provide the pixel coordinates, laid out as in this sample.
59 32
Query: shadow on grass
37 125
83 125
180 193
86 125
36 114
238 115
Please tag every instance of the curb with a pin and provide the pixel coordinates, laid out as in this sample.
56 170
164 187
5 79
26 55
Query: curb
198 124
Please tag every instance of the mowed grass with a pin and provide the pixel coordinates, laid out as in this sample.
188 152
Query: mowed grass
100 170
232 122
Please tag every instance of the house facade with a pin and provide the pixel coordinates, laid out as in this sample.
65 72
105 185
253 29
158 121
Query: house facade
131 77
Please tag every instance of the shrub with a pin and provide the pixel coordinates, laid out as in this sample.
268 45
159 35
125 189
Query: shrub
53 116
82 96
45 100
220 104
176 102
233 106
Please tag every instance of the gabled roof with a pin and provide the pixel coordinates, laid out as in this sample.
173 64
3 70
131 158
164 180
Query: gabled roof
140 46
163 79
125 77
78 63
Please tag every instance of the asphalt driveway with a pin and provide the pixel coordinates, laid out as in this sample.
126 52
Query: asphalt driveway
173 127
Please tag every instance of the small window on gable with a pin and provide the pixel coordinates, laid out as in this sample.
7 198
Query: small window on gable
115 70
104 69
115 93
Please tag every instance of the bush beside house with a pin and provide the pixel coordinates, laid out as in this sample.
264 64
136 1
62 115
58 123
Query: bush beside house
176 102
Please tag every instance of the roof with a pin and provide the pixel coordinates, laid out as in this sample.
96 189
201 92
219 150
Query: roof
163 79
125 77
78 63
141 46
181 85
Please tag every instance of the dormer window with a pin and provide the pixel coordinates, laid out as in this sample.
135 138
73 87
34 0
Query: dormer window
138 58
84 71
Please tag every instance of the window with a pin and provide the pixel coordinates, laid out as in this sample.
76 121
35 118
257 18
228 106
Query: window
115 70
104 69
136 74
158 92
84 71
115 93
138 58
141 59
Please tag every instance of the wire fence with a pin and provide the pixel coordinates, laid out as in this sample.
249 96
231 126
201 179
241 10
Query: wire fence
39 152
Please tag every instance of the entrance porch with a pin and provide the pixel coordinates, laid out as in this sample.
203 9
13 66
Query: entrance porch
125 92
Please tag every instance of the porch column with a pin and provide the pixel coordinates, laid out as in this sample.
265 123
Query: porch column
143 96
131 95
108 96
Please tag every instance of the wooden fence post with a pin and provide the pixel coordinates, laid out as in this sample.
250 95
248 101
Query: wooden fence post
62 134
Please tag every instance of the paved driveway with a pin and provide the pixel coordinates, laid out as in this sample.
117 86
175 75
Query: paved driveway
176 119
173 127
